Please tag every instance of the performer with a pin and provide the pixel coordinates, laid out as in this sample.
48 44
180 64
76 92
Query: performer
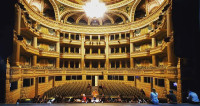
95 94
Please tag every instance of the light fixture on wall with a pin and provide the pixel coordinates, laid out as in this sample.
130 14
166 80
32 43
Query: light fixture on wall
95 9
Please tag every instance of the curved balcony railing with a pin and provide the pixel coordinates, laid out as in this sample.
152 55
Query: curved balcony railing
48 37
49 53
119 42
29 48
95 43
17 72
89 29
140 38
159 49
119 55
95 56
34 32
70 55
70 41
141 53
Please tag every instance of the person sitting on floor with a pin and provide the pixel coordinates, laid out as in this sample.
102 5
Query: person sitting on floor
172 97
154 97
192 97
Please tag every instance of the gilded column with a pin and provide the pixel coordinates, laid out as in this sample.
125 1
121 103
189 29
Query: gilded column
154 62
58 50
35 46
82 50
131 50
170 50
107 50
18 31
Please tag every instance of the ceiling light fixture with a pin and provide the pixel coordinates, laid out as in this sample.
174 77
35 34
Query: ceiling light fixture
95 9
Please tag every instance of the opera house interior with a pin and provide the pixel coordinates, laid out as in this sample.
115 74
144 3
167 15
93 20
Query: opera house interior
59 47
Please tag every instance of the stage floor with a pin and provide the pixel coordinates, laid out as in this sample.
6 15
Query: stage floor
101 104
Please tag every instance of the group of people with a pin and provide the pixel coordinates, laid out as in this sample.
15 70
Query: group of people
192 97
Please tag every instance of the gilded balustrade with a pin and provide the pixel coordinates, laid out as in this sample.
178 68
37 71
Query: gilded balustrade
119 55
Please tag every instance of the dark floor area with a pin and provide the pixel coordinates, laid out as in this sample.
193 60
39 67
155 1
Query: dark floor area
102 104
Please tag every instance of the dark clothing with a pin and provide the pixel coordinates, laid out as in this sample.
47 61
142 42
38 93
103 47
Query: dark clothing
172 98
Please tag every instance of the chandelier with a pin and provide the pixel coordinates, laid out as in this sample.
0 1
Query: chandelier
95 9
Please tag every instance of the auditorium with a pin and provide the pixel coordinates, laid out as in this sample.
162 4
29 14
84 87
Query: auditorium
98 51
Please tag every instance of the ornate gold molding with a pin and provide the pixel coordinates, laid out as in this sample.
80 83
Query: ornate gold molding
112 6
92 29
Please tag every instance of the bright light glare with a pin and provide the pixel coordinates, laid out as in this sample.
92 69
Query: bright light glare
95 9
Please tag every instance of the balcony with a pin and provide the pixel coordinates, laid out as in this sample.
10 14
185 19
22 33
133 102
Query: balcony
70 41
158 49
119 55
48 37
157 32
95 43
140 38
119 42
49 53
95 56
29 48
70 55
141 53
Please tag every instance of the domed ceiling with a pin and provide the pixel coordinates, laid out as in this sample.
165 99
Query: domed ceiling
119 11
107 2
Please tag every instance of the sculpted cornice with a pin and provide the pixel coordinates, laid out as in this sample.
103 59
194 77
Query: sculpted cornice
112 6
91 29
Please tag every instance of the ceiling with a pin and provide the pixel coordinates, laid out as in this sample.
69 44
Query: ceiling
107 2
71 11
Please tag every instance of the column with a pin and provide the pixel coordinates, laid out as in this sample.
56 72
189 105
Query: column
154 62
69 35
16 50
16 54
68 63
107 50
63 63
99 51
131 50
120 64
99 66
58 50
34 56
82 50
90 64
153 42
167 85
120 35
170 50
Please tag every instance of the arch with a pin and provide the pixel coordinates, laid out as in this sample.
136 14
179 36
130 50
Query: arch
56 11
133 9
111 19
79 18
69 11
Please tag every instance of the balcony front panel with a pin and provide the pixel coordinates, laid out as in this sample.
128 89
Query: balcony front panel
119 55
118 42
140 38
159 49
72 42
49 53
70 55
48 37
140 53
157 32
95 56
29 48
95 43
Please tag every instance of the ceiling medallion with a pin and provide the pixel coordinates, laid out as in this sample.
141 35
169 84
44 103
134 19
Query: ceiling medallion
95 9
